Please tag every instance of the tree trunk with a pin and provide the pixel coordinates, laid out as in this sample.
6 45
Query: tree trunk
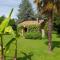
50 31
2 52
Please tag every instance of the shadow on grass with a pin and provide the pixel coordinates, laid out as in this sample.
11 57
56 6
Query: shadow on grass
54 44
9 43
8 58
58 35
26 56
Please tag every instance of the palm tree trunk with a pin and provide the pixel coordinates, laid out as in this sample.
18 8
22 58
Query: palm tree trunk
2 52
50 31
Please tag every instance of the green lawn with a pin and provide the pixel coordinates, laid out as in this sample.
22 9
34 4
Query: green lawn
33 49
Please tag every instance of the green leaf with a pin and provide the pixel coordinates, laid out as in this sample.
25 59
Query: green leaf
5 22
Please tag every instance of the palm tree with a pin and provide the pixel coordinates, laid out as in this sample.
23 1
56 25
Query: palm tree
47 7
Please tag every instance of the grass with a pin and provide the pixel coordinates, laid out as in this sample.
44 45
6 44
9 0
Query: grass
29 49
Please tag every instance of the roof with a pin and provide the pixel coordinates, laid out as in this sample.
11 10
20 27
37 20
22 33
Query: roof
31 22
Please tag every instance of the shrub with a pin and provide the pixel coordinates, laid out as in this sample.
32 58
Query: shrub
33 28
32 35
30 28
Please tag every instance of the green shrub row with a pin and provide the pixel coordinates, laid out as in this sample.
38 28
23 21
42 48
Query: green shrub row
32 35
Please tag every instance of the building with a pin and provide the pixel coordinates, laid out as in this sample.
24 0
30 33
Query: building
26 23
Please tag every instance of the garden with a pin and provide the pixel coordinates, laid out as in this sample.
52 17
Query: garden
38 41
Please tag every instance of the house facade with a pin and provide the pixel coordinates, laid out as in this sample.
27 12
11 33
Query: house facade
26 23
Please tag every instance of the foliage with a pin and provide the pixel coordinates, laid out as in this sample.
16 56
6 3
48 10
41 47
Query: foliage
33 28
37 47
30 28
47 7
3 25
12 22
2 18
25 10
19 28
56 23
5 22
56 19
9 30
32 35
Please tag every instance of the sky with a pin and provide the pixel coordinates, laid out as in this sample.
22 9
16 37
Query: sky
7 5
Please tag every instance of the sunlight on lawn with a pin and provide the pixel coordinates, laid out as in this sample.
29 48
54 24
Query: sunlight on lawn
33 49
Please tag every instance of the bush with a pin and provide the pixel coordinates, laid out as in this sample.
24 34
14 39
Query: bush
32 35
33 28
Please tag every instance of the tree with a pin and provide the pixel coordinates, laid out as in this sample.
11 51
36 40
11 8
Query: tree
25 10
2 18
56 23
47 7
12 22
